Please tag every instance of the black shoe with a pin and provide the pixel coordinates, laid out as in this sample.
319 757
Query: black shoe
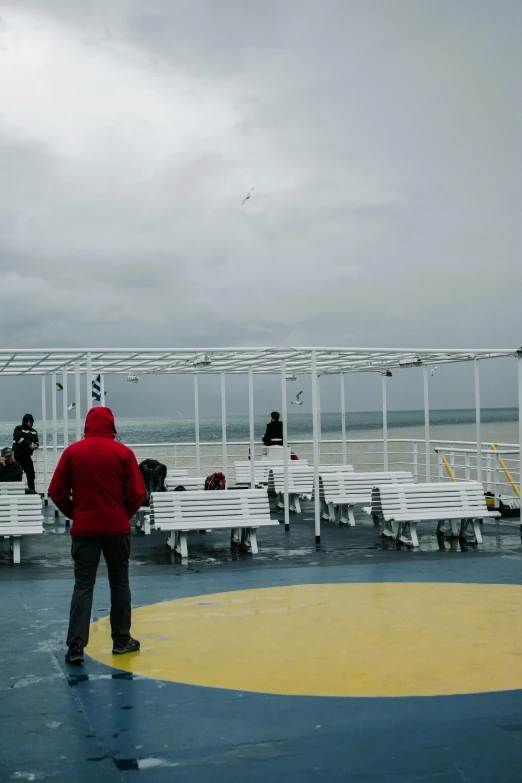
74 655
120 648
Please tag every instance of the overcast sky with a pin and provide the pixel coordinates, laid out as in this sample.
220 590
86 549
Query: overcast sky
382 139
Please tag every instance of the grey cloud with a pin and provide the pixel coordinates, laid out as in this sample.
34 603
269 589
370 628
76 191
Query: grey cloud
382 141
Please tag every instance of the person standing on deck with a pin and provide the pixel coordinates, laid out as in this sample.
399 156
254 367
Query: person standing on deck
274 431
98 484
25 441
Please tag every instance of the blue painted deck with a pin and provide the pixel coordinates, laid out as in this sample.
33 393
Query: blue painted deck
97 723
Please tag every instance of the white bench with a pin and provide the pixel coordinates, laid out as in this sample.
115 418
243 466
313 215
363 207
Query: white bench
20 515
241 511
191 484
400 507
12 487
261 470
345 490
300 485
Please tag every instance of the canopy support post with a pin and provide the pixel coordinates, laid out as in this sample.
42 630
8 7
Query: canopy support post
224 422
77 394
88 380
478 421
44 421
315 421
284 409
251 427
343 417
196 424
384 422
427 424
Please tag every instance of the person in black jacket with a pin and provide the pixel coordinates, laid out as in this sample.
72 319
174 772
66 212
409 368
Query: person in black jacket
25 441
10 470
274 431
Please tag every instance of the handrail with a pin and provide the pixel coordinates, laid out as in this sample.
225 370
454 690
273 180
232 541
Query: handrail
506 471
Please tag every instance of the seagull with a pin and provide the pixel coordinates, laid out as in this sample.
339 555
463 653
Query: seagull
179 413
59 387
247 196
297 401
72 406
433 371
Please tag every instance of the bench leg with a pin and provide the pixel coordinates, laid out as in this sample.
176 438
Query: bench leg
331 512
236 536
280 503
181 547
172 541
470 530
249 539
146 524
408 534
15 547
390 528
295 504
324 510
349 519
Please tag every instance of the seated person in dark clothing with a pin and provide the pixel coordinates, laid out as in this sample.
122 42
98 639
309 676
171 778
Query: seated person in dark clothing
10 470
274 431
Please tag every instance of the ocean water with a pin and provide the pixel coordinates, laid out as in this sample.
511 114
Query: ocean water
498 425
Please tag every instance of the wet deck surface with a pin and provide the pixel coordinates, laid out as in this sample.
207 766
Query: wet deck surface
100 722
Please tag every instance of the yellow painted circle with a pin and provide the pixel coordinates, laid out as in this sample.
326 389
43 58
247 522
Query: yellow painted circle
390 639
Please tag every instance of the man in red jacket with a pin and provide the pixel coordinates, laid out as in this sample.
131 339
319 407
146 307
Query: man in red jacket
97 484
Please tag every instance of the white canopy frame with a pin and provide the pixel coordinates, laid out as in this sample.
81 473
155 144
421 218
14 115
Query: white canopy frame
287 362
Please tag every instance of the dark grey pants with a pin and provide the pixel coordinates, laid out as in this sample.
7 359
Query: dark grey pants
86 552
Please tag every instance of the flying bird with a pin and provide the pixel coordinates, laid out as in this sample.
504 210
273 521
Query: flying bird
72 406
297 401
433 371
247 196
59 387
179 413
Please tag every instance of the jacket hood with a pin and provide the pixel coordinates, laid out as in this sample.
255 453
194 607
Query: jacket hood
27 416
100 421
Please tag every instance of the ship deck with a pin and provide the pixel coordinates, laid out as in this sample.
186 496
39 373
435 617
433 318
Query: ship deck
359 661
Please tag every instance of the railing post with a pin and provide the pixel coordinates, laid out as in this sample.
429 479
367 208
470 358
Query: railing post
415 461
467 466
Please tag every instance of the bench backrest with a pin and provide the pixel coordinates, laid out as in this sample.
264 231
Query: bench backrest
20 513
425 498
196 509
191 483
12 487
243 470
300 479
359 484
335 469
176 472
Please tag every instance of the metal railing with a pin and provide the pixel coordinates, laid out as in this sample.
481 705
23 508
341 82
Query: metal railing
365 454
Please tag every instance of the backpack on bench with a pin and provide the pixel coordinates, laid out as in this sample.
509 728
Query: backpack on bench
215 481
154 474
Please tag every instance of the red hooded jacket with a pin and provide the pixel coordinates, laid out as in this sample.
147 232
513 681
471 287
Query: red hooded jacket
103 478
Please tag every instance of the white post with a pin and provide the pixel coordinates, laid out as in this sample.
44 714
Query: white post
88 381
284 410
65 402
343 419
102 389
44 444
319 427
520 429
251 427
427 423
53 409
315 420
224 423
477 421
77 396
196 424
384 422
415 462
